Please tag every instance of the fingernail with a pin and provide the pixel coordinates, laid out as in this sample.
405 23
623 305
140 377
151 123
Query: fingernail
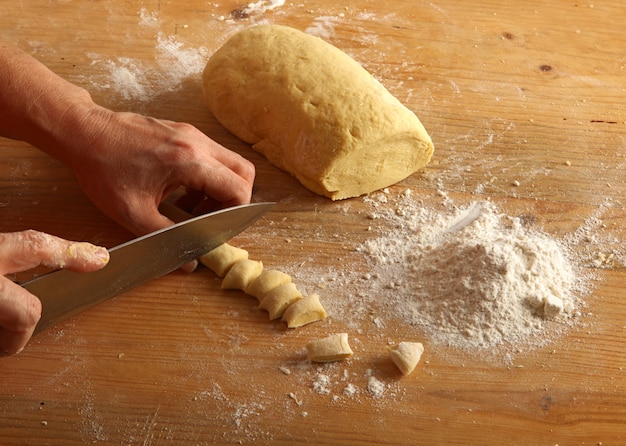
89 251
190 267
7 352
102 254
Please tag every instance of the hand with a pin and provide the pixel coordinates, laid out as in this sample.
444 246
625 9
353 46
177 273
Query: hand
130 163
127 164
20 251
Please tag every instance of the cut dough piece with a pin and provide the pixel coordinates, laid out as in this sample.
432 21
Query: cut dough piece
406 355
304 311
242 273
277 300
266 282
313 111
332 348
222 258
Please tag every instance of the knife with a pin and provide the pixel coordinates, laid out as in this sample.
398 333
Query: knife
65 293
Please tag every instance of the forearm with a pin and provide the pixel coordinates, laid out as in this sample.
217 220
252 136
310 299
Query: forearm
126 163
41 108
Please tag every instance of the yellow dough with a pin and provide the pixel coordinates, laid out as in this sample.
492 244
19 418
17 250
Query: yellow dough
304 311
266 282
406 355
272 288
279 299
332 348
241 274
313 111
222 258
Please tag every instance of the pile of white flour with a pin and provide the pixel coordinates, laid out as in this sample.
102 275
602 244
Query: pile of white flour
469 278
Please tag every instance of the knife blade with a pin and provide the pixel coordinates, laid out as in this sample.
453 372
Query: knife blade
65 293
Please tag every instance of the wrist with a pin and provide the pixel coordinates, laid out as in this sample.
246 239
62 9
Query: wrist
70 136
40 107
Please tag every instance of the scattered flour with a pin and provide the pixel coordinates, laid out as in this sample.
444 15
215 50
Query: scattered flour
148 18
473 281
262 6
375 387
321 384
323 26
143 80
470 283
350 390
600 248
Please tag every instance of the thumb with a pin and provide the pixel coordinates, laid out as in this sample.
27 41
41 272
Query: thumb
21 251
19 313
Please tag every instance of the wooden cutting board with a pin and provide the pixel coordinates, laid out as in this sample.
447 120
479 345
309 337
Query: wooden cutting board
525 104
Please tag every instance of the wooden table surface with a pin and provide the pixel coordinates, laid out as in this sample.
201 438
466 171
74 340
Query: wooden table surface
525 104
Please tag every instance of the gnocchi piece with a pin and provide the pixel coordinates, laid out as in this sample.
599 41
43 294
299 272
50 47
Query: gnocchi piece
266 282
277 300
330 349
304 311
222 258
406 355
242 273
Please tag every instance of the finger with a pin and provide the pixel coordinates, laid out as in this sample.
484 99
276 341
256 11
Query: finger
20 312
190 267
151 220
145 217
222 175
208 205
237 163
189 200
232 160
223 185
194 203
20 251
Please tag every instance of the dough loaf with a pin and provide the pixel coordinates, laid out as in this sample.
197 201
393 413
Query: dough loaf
313 111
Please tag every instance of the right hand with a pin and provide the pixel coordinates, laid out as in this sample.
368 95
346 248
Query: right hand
128 164
20 251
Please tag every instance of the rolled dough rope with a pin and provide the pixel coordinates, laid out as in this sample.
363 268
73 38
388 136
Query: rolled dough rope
304 311
222 258
241 274
278 300
406 355
313 111
266 282
332 348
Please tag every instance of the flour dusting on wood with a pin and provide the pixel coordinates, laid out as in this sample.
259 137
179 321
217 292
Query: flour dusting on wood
487 283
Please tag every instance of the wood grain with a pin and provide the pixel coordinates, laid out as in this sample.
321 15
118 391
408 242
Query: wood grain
524 102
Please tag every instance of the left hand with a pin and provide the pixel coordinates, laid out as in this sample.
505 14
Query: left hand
20 251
